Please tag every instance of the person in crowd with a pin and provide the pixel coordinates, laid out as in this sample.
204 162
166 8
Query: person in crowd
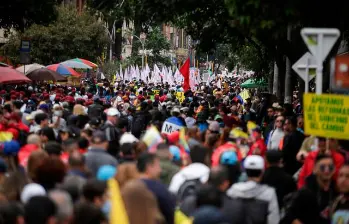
168 168
277 134
126 172
149 168
88 213
147 212
97 155
258 146
192 175
276 177
340 206
292 143
40 210
309 162
41 121
96 109
311 204
111 131
64 205
264 197
219 178
209 202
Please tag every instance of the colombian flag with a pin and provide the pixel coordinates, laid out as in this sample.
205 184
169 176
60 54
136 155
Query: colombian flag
118 214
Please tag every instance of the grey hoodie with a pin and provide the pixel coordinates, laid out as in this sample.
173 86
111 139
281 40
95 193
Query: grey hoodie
253 190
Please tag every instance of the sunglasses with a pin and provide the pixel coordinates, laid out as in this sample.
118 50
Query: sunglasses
324 168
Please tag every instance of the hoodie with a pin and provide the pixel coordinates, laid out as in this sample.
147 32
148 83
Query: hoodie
260 193
191 172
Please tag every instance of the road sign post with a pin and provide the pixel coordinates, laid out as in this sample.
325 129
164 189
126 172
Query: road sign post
319 42
305 67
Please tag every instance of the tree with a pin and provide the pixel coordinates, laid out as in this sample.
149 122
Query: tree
20 14
157 44
70 36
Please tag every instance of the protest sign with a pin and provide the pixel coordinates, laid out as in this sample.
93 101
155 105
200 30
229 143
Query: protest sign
326 115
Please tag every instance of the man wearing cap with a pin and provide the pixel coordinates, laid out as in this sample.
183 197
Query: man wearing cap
258 201
111 131
97 155
96 109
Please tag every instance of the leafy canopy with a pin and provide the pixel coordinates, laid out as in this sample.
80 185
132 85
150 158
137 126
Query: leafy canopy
70 36
20 14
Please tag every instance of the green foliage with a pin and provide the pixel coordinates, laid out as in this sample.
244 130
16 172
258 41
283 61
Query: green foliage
157 43
20 14
70 36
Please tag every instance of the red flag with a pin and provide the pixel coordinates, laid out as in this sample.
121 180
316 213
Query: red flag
185 73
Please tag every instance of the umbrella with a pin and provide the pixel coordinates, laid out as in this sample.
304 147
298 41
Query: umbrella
44 74
4 65
75 64
63 70
29 68
11 76
252 83
86 62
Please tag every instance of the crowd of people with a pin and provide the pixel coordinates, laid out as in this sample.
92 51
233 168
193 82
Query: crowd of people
231 159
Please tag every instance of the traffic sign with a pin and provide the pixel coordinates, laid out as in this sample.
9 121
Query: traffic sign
320 41
305 67
25 46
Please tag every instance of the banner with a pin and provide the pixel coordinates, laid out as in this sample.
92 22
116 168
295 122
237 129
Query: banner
326 115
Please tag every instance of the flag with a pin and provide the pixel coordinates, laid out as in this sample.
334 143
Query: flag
121 74
118 212
250 126
219 83
185 73
182 141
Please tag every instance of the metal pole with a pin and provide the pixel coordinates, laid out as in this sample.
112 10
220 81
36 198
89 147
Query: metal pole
307 76
319 66
142 55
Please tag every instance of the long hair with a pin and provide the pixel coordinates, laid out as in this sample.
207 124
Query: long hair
140 203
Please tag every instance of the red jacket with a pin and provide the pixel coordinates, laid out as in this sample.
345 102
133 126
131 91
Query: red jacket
259 144
24 153
309 162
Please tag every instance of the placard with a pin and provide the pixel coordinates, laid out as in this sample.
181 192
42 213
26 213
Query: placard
168 127
326 115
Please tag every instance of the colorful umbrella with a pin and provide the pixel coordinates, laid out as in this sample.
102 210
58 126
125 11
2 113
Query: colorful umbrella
63 70
29 68
75 64
86 62
45 74
11 76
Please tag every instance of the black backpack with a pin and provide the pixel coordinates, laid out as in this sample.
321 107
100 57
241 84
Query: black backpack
188 188
138 125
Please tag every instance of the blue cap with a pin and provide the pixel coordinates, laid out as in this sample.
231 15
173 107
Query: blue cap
229 158
175 151
106 172
11 147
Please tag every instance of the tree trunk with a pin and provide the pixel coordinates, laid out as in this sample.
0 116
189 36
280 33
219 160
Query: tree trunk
118 40
276 89
288 78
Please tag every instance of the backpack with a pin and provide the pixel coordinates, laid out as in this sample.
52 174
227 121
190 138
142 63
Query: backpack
189 187
246 210
138 125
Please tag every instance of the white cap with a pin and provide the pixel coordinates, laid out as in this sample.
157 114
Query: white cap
127 138
113 112
254 162
32 190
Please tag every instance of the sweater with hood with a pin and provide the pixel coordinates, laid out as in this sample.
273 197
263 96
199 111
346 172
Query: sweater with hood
261 194
191 172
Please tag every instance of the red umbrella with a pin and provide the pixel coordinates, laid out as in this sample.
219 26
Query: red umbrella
12 76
